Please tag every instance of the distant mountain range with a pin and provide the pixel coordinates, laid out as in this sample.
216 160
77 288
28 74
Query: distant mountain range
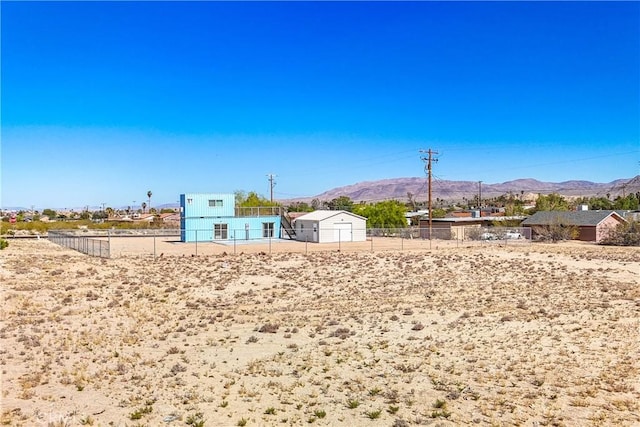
399 188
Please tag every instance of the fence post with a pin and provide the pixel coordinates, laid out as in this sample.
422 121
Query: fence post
306 241
234 244
154 245
339 240
269 245
402 243
196 242
371 242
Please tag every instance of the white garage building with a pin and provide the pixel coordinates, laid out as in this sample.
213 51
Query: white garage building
331 226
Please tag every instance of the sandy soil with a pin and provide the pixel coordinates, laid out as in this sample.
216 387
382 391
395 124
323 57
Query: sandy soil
126 246
518 335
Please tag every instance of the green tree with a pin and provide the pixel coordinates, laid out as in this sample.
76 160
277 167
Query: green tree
99 215
597 203
438 213
252 199
629 202
387 214
149 194
299 207
551 202
341 203
49 212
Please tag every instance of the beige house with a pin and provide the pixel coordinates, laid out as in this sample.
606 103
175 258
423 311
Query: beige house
458 228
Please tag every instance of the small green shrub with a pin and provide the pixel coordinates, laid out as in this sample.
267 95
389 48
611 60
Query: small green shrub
138 413
441 411
373 414
320 413
196 420
374 391
440 404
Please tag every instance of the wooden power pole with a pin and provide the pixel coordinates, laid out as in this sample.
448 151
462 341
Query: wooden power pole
272 184
429 159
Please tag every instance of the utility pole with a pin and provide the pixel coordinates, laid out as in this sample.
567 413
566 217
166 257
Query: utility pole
272 183
429 159
480 196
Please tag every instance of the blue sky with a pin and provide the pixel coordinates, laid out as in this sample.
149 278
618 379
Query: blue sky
102 101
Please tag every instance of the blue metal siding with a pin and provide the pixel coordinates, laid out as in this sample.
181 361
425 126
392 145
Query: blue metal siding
238 228
202 229
196 205
197 219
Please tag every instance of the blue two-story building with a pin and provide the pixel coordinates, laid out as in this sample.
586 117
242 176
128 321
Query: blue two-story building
215 217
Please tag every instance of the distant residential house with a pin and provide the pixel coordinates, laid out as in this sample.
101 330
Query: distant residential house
413 217
459 227
325 226
170 219
592 226
145 217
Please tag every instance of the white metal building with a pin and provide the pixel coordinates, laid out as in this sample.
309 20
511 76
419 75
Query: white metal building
331 226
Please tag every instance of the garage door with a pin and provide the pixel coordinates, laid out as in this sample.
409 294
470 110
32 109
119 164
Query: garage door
342 232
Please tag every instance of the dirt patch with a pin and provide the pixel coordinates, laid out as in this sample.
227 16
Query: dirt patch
545 334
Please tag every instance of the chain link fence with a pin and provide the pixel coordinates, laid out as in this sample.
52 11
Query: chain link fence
91 246
159 243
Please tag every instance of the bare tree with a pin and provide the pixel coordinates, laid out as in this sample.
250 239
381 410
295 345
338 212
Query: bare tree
556 232
412 200
625 234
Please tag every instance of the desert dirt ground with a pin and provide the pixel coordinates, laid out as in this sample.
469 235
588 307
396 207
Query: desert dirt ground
489 335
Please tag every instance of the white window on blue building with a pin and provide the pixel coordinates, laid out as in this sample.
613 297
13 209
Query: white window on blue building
220 231
267 229
215 203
